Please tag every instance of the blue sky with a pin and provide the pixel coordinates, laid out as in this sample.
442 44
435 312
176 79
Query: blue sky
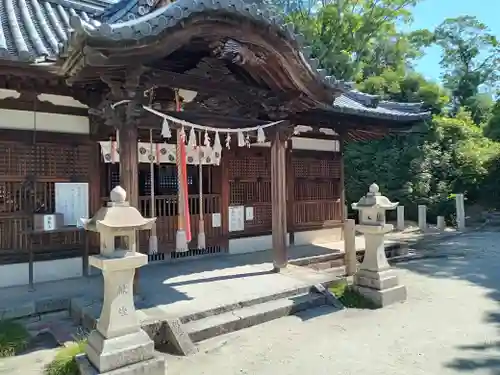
430 13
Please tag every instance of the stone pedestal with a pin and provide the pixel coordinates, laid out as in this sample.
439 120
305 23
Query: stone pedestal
400 218
422 217
441 224
351 262
118 344
375 279
460 207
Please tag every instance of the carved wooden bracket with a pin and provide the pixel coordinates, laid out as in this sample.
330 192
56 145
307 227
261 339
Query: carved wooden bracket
237 53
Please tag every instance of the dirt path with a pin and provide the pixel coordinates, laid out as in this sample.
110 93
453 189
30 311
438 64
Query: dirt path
449 325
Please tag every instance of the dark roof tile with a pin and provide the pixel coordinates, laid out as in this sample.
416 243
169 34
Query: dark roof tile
33 29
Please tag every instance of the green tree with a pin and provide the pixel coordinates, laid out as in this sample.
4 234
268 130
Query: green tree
470 58
492 127
412 87
355 39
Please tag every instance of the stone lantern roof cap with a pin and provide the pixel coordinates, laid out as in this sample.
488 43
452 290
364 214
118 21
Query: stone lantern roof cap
118 214
373 199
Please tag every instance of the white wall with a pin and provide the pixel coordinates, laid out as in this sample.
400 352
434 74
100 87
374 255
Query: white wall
50 270
41 121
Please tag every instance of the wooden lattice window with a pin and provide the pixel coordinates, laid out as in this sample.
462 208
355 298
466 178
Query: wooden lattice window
250 186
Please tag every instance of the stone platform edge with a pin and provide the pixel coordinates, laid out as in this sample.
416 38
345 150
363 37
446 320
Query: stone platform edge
24 309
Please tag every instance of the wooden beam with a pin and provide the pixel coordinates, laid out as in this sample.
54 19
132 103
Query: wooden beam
164 78
278 199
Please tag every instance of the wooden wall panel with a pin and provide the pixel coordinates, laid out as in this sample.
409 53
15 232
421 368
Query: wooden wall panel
28 171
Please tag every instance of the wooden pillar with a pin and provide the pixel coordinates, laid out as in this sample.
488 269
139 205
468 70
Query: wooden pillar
129 173
227 155
343 206
129 163
290 182
278 199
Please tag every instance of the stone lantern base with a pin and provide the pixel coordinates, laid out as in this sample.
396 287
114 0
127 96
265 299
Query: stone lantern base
153 366
381 287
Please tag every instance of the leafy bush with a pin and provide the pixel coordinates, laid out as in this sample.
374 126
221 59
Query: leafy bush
13 338
349 297
442 157
64 363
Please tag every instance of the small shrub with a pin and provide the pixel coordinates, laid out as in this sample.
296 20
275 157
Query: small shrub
350 298
64 363
13 338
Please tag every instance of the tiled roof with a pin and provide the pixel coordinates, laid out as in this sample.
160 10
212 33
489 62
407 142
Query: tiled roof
358 103
33 29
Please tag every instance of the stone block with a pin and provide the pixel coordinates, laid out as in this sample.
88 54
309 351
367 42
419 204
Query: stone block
152 366
18 311
376 280
178 337
90 316
382 298
51 305
107 354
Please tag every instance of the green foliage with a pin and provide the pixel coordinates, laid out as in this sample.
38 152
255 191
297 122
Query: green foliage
412 87
445 156
358 38
64 363
13 338
470 60
492 127
349 297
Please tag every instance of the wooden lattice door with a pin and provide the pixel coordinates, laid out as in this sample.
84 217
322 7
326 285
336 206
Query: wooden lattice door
250 185
317 189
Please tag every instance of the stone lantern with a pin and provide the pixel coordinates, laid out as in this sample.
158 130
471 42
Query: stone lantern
375 278
118 344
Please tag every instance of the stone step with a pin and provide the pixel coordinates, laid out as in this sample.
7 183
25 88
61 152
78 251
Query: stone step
65 332
216 325
58 325
243 304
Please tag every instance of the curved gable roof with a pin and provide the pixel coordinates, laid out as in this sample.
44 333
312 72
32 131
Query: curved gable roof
33 30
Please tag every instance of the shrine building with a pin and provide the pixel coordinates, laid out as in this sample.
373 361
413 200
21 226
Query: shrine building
202 110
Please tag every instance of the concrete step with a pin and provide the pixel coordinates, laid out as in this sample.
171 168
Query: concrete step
58 325
216 325
243 304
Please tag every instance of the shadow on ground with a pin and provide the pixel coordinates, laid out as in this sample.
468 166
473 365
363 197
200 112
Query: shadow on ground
474 258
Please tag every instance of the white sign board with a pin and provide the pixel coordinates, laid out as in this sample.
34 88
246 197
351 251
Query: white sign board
249 213
216 220
236 218
72 200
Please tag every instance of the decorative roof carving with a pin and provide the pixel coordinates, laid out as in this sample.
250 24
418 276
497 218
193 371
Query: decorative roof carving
236 53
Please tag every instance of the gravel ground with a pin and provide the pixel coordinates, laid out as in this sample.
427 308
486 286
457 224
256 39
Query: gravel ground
449 325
